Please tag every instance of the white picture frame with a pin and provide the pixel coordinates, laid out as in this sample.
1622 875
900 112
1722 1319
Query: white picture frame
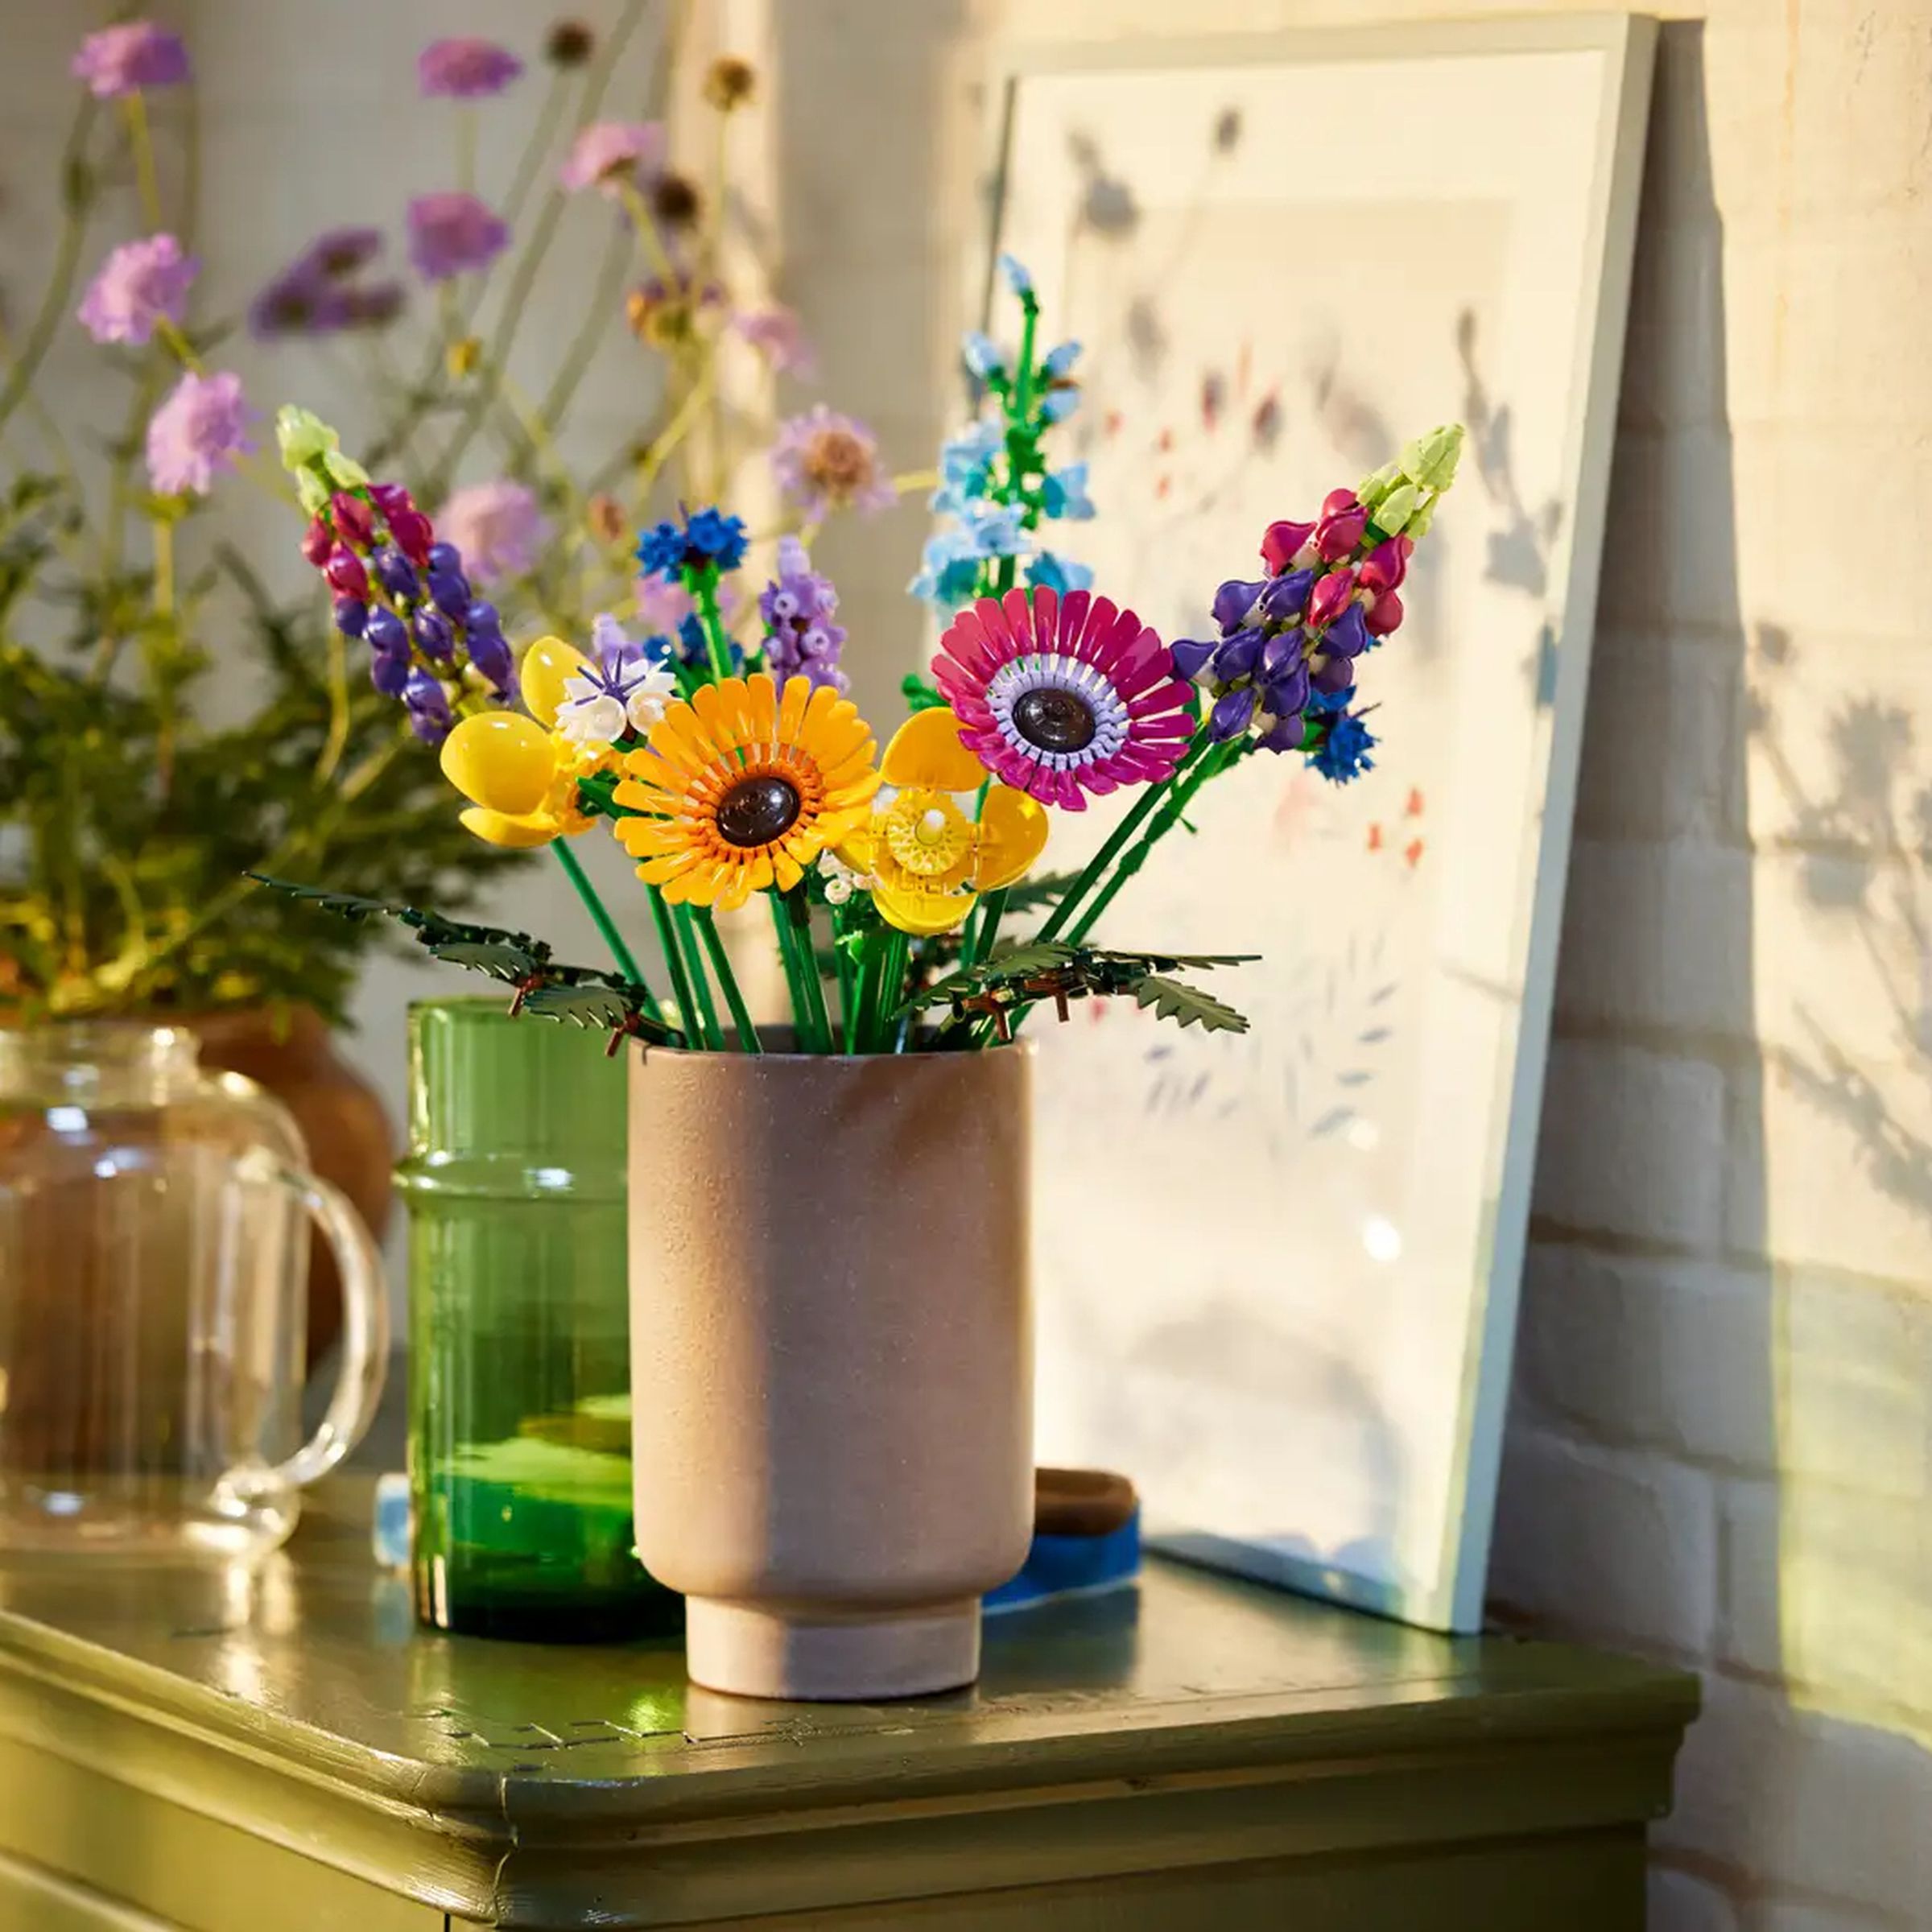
1523 139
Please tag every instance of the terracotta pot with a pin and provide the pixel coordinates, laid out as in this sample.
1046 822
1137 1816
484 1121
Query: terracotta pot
830 1306
290 1050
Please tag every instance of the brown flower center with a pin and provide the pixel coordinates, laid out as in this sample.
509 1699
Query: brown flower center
1054 719
838 462
757 810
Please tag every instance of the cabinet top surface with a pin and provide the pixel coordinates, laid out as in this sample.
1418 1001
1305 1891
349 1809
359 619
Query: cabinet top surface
312 1663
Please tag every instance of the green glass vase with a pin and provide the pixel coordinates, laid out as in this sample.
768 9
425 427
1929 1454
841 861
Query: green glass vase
519 1444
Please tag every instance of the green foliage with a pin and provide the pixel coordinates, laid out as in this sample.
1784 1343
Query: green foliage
584 995
1022 976
126 827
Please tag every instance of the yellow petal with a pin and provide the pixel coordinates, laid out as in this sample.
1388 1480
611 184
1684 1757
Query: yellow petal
501 828
546 665
922 913
925 751
502 760
1013 834
792 702
854 847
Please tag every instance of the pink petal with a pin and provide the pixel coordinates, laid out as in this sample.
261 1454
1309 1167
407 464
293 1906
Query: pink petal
1117 648
1162 697
1100 617
1019 614
1046 618
1073 615
999 633
966 643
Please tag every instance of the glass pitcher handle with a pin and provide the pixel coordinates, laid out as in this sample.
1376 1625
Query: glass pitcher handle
365 1330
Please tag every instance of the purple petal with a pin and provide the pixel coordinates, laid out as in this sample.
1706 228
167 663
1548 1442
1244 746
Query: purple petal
1231 713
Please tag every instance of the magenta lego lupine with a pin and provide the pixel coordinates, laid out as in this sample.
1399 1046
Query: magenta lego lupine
453 233
433 643
607 152
141 284
1061 696
124 60
498 526
465 68
201 429
1283 668
824 461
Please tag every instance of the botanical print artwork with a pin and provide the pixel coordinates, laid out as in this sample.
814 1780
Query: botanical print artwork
1293 1395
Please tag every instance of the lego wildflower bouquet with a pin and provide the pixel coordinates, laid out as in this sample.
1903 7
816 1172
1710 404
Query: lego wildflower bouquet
732 770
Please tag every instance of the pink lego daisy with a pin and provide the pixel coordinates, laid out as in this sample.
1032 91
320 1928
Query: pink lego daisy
1059 696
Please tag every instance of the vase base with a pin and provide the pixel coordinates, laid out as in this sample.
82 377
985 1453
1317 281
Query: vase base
751 1653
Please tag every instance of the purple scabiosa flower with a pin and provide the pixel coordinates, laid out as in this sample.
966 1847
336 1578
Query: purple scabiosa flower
123 59
776 333
198 431
825 461
465 68
140 285
317 294
497 526
607 151
801 640
453 233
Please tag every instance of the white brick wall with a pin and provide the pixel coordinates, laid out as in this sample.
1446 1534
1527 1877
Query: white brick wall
1719 1448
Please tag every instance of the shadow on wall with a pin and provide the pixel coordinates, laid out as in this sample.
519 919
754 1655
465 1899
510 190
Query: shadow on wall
1678 1394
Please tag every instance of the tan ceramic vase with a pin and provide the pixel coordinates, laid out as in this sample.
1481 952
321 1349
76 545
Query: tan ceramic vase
830 1310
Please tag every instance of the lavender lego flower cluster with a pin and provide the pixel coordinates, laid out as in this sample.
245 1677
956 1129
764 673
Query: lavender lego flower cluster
801 640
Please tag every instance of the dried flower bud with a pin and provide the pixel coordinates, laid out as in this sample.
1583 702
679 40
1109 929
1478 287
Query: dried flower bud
730 83
675 201
570 43
605 516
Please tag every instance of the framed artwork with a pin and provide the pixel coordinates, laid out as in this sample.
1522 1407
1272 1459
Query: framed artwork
1278 1272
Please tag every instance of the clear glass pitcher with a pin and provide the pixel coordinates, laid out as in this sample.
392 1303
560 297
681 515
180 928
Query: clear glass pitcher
153 1271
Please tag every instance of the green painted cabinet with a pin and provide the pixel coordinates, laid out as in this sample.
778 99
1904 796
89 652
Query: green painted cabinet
288 1751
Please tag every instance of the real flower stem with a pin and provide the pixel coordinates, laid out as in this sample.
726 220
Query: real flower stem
600 916
54 298
728 981
688 1021
142 147
1215 759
